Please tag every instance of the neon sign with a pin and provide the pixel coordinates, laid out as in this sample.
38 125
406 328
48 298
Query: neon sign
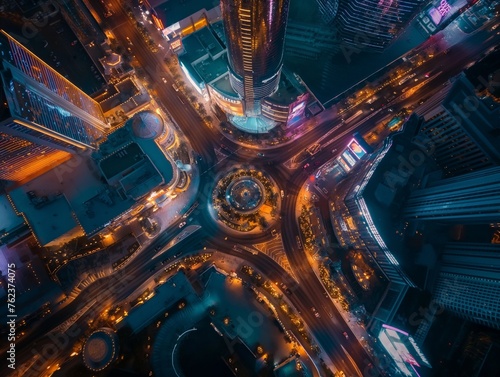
443 8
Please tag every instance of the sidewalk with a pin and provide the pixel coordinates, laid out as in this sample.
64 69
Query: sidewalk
233 263
359 331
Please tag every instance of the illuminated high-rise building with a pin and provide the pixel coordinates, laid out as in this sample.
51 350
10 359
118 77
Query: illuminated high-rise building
468 284
44 119
373 24
472 198
462 128
255 37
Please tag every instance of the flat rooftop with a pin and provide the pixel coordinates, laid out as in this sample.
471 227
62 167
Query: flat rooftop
289 89
172 11
166 295
201 42
288 369
204 44
224 86
211 70
218 29
46 210
121 160
118 94
73 194
8 217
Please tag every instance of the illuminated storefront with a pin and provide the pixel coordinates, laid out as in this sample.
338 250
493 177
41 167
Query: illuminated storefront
230 105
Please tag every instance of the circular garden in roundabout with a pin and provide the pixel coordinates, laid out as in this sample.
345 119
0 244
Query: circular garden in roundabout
246 199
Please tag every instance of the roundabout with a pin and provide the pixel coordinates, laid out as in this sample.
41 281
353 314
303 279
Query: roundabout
245 194
245 200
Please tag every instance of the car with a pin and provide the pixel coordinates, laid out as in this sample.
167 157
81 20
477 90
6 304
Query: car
282 193
176 88
260 154
317 315
345 335
299 244
307 165
74 42
182 224
274 233
334 150
164 80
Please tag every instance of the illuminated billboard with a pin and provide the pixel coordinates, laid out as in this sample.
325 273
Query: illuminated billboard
343 164
348 157
297 108
356 149
403 350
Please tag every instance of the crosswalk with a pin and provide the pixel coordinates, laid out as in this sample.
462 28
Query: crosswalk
275 250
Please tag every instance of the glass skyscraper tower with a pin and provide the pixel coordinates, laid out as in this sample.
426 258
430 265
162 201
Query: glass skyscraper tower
373 24
45 117
255 37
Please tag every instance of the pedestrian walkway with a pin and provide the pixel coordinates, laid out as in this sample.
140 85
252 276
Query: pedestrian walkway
275 250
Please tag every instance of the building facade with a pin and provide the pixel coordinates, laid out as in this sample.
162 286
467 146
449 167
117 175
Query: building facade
468 284
255 37
364 209
462 129
472 198
46 117
373 24
399 197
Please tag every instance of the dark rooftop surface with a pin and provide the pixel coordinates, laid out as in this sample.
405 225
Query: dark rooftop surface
172 11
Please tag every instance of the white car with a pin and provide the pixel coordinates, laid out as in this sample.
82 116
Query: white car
164 80
182 224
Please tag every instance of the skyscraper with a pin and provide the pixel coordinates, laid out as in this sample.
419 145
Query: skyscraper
255 37
372 24
462 129
468 283
45 117
472 198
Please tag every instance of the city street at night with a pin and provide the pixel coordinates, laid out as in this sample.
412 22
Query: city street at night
250 188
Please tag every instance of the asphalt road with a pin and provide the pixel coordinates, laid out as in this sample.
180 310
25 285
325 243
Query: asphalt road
308 292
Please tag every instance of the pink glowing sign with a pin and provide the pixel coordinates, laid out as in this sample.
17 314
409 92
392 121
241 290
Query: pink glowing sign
443 7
